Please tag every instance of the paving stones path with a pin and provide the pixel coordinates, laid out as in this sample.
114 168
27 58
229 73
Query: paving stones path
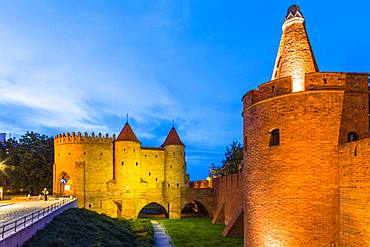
161 237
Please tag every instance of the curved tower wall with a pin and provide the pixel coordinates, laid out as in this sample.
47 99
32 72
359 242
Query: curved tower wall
174 170
292 190
83 158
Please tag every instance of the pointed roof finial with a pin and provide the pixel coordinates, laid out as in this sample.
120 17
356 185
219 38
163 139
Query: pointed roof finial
172 138
295 57
126 117
173 123
127 134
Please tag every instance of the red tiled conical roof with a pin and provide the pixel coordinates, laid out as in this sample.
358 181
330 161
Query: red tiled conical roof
172 138
127 134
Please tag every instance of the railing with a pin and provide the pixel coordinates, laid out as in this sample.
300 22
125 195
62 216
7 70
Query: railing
22 222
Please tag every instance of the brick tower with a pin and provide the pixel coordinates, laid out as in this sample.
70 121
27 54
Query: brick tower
295 56
293 127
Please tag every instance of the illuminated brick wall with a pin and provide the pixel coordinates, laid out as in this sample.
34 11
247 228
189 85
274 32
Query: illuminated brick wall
292 190
228 194
354 173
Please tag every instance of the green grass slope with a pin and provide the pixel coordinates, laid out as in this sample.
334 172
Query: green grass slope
81 227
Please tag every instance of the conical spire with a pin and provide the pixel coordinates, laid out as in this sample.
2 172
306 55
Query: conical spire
172 138
127 134
295 56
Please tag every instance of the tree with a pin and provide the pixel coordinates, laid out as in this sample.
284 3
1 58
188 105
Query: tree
233 162
31 158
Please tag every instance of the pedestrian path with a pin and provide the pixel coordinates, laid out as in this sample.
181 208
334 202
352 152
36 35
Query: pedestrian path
161 238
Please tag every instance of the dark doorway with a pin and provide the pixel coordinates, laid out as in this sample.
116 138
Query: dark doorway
194 209
153 210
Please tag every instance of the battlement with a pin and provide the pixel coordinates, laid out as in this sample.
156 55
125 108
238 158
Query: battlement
313 81
83 138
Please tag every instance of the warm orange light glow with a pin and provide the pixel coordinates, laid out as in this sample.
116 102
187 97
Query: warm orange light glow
269 241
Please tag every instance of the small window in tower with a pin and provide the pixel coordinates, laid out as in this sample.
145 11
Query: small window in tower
275 137
124 149
170 166
134 149
101 153
156 179
325 81
156 156
89 205
69 153
137 163
149 173
352 136
278 63
145 156
122 163
245 143
84 153
174 153
177 184
168 185
355 151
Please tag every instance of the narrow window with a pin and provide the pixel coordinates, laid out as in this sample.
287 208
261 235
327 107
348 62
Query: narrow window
122 163
149 173
178 184
101 153
245 143
156 179
168 185
134 149
124 149
84 153
170 166
137 163
69 153
356 151
174 153
275 137
325 81
352 136
156 156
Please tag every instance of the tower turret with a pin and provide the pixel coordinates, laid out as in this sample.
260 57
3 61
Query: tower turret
174 170
295 57
127 160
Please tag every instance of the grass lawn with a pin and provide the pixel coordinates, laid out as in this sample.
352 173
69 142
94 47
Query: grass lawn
198 232
81 227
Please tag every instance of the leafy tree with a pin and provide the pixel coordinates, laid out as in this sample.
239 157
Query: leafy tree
31 159
232 163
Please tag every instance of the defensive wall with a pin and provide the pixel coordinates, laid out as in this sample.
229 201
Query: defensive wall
229 203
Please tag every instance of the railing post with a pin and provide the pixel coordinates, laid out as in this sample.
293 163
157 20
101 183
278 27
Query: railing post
15 226
2 236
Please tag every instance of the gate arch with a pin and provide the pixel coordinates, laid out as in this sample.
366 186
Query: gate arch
194 208
152 209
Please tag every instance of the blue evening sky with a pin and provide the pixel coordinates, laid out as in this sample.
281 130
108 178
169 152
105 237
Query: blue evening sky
82 65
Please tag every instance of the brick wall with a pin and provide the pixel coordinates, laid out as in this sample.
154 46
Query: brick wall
355 193
229 193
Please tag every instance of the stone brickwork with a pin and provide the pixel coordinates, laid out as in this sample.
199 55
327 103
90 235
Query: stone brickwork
119 177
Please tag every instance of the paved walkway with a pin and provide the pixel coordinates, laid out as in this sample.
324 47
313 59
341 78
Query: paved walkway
161 237
15 209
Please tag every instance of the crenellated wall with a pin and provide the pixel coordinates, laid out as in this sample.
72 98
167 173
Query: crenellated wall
228 194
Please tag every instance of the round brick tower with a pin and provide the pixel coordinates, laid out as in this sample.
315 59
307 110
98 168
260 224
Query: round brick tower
292 128
174 170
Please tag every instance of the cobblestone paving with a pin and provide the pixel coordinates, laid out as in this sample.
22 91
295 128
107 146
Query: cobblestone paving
18 209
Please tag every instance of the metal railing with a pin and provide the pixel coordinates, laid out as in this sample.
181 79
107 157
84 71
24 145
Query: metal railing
24 221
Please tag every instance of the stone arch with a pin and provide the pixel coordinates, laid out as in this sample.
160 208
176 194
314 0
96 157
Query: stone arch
203 209
161 205
65 184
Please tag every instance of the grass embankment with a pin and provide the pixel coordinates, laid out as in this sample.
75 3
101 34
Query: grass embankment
81 227
198 232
